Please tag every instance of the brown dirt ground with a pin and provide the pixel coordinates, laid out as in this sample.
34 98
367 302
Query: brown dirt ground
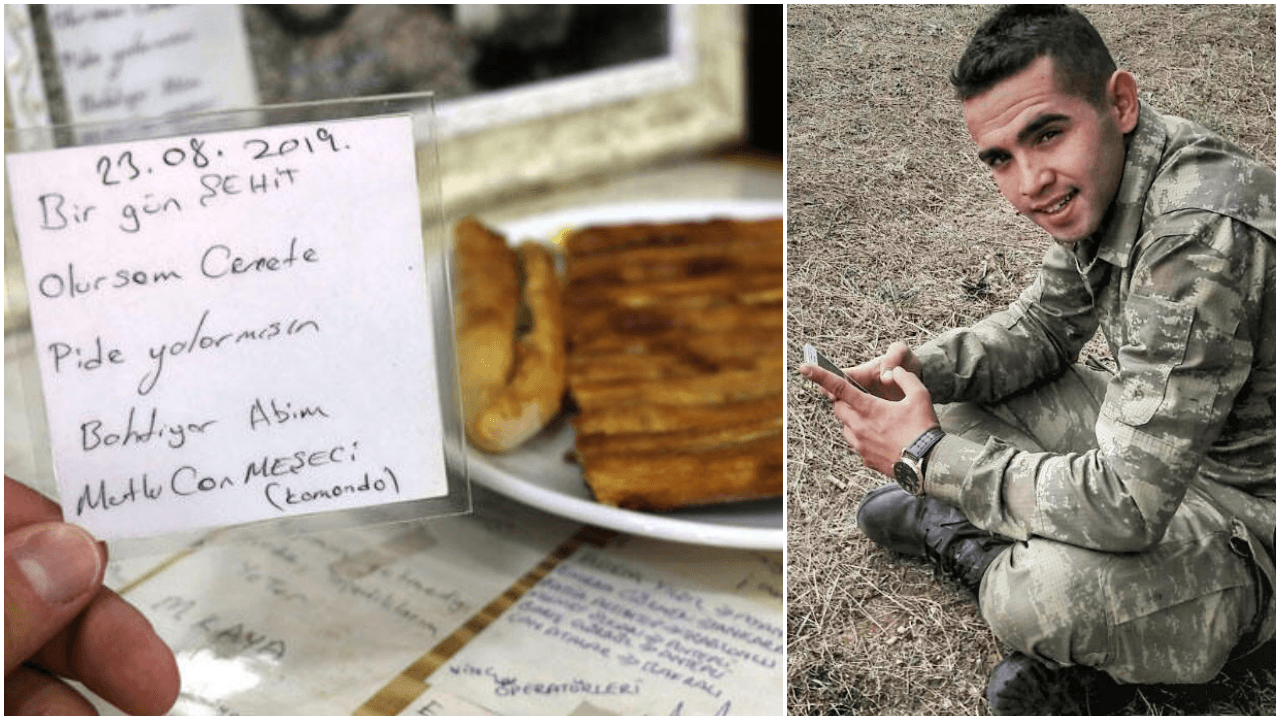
895 231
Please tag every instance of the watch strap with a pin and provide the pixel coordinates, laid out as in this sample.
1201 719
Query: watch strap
924 443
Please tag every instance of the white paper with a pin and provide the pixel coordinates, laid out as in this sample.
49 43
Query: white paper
129 61
232 326
317 624
324 623
26 104
613 632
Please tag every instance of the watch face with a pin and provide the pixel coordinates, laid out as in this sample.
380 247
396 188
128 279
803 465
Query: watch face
906 477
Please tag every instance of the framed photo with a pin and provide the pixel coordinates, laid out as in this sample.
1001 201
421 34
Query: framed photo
527 96
689 99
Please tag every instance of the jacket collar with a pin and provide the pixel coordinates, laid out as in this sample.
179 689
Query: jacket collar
1114 240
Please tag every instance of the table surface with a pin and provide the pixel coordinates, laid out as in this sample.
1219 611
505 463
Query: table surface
503 610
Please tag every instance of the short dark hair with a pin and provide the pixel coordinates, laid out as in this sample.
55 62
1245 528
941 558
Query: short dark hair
1016 35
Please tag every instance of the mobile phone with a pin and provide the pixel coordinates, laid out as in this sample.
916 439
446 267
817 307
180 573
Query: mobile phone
813 357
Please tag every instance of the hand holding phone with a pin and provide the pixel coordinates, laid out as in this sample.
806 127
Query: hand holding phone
813 357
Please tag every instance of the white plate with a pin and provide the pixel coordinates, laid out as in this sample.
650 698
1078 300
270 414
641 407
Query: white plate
537 473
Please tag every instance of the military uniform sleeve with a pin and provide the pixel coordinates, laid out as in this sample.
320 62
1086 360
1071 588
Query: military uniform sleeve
1035 338
1185 349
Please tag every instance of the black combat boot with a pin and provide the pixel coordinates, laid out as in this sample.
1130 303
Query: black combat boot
1021 685
929 528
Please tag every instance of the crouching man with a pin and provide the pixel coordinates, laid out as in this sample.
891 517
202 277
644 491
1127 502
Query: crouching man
1117 527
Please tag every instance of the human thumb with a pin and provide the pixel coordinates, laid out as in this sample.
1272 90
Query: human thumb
51 572
908 382
897 354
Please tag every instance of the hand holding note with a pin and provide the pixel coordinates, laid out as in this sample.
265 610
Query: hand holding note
60 621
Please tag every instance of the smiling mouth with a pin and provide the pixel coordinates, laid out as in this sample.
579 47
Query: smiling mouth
1058 207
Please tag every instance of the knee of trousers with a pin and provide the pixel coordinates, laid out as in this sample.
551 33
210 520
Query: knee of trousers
1046 599
1065 605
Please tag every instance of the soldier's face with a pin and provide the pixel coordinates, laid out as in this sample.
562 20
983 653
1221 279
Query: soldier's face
1054 156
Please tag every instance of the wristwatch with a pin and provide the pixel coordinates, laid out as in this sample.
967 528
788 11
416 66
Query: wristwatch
909 470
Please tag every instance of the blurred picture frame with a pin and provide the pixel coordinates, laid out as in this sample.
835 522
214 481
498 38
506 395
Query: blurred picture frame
522 102
612 120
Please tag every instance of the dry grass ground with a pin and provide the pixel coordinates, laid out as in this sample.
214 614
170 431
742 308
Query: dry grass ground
896 232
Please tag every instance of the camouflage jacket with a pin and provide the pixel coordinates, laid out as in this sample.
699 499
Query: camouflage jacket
1180 278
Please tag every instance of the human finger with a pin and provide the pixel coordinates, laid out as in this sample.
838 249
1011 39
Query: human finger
898 355
836 387
847 418
861 437
24 506
113 649
851 438
52 570
868 376
917 411
855 413
875 375
910 383
29 691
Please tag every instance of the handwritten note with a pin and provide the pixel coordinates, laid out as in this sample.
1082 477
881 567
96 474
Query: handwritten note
232 326
626 638
126 61
316 624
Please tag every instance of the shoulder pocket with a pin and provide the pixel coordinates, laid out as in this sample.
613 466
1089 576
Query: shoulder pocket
1156 334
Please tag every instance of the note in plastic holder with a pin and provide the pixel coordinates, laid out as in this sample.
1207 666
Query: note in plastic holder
238 320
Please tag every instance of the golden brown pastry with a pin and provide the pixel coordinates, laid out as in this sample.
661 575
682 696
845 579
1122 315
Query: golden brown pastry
675 361
512 383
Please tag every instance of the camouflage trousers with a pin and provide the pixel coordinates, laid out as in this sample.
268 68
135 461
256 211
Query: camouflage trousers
1173 614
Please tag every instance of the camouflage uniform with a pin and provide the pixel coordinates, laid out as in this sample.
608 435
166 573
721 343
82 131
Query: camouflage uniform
1141 502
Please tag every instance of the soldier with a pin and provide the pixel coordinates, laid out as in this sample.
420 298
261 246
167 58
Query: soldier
1117 527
